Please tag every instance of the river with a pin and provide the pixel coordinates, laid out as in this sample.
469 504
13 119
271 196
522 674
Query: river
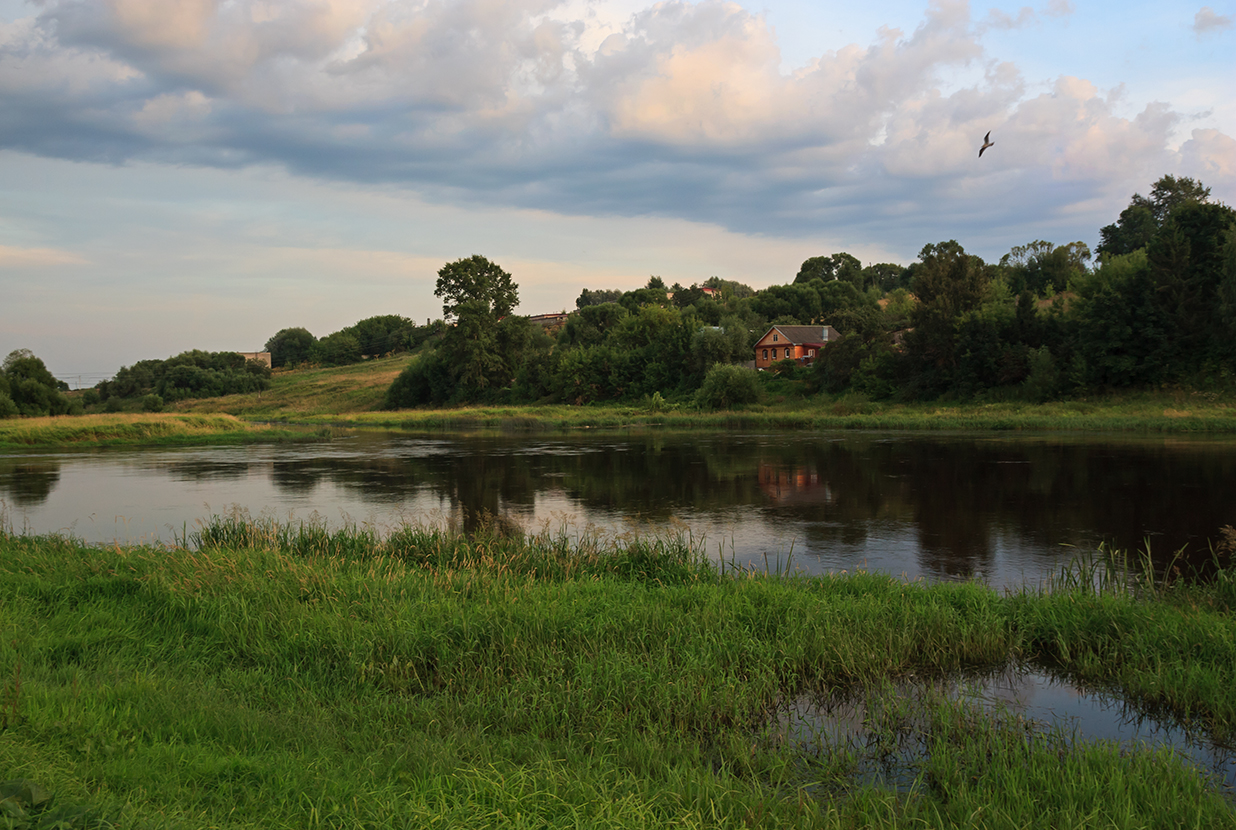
1002 508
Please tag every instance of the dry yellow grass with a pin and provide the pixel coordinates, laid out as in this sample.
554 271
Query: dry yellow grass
75 429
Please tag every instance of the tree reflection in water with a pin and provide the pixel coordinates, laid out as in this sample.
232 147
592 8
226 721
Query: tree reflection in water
939 505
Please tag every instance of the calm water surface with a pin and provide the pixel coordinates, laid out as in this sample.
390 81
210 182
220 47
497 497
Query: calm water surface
1002 509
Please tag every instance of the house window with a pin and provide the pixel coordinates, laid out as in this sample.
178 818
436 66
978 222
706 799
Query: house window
766 354
774 340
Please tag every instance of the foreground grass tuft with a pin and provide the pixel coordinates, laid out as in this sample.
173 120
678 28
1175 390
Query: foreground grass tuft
258 674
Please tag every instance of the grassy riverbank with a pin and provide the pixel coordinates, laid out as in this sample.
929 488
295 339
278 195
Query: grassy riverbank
272 676
353 395
150 428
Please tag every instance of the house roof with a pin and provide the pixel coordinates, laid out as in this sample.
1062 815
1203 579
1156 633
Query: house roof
801 335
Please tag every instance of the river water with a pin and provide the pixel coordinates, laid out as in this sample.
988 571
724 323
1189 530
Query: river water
1003 509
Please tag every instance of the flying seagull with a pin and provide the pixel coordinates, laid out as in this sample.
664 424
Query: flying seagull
987 142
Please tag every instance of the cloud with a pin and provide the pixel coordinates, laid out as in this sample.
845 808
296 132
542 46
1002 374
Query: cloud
14 257
682 110
1206 21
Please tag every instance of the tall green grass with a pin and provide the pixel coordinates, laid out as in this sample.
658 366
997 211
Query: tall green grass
262 674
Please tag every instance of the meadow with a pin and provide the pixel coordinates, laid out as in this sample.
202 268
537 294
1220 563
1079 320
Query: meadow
259 674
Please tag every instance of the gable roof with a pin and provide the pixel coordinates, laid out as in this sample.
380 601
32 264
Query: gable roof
801 335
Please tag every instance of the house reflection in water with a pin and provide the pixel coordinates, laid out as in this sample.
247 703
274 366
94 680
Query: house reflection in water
793 485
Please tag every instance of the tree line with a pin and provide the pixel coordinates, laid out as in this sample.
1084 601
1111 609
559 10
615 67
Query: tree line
1155 304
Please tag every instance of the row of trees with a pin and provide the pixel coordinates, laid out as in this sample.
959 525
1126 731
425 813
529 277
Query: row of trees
1041 323
372 337
192 374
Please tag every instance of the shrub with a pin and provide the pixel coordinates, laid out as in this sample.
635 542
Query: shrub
728 385
152 403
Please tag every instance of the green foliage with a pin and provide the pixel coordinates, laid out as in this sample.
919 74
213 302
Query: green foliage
152 403
1042 268
192 374
28 388
841 266
590 297
725 387
290 347
482 284
1143 218
338 349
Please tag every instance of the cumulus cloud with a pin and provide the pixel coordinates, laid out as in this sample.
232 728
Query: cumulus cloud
1206 21
682 111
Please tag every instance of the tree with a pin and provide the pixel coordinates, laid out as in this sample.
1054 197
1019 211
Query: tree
482 284
840 266
1143 217
290 347
28 387
948 283
1043 268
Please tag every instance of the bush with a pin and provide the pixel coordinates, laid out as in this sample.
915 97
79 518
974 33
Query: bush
8 409
152 403
728 385
113 405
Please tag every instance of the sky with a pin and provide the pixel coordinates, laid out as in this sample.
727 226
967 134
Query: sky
199 174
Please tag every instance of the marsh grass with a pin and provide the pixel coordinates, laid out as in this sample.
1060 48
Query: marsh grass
126 429
259 674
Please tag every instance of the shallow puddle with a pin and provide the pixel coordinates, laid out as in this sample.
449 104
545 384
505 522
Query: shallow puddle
887 730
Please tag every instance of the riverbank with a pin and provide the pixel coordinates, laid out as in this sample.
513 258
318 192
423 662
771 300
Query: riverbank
149 428
352 396
264 675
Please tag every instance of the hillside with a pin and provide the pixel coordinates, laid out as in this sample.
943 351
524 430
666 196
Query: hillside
294 393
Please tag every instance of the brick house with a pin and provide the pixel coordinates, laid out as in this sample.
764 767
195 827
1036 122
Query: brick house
801 343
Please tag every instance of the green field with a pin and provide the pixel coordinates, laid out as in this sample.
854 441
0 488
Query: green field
265 675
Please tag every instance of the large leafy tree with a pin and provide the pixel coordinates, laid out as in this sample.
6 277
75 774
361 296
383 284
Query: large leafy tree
1145 216
839 266
290 346
482 284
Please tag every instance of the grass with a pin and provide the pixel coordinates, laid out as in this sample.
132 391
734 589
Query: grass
260 674
353 395
129 429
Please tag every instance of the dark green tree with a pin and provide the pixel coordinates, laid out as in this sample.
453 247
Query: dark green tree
839 266
1145 216
290 347
482 284
29 388
948 283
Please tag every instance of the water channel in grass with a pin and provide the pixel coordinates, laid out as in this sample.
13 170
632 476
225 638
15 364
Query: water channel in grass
1003 509
887 732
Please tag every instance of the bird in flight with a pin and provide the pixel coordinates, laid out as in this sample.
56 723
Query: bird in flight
987 142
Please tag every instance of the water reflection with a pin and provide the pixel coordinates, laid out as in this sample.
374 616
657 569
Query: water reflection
1000 508
27 482
889 729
